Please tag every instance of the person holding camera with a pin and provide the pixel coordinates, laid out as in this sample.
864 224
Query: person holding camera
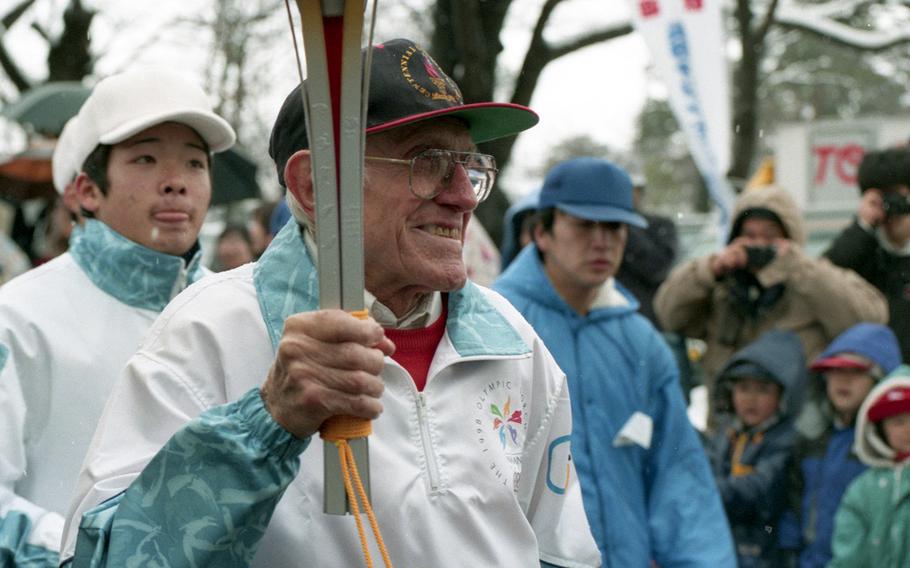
877 244
763 280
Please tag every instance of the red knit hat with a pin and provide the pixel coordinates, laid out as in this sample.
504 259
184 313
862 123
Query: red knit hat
894 401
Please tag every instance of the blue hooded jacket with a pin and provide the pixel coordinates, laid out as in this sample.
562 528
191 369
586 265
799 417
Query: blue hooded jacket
751 463
824 461
653 498
511 226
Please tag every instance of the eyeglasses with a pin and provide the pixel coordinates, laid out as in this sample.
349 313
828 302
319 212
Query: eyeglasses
431 171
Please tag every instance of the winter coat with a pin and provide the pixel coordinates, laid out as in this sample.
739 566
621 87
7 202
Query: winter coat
863 251
474 470
751 464
872 526
511 226
648 490
823 468
646 262
817 300
66 330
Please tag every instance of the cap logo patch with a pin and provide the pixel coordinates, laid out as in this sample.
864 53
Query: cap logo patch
440 87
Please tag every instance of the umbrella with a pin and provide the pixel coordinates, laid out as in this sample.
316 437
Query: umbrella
233 177
28 176
46 108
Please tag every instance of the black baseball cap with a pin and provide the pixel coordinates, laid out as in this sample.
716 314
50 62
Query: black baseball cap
406 86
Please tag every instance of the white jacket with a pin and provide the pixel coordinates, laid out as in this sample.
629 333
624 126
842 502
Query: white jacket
66 330
451 485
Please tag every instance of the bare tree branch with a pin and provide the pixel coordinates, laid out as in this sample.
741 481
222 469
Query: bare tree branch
41 32
762 31
13 15
829 9
593 37
795 17
12 70
541 53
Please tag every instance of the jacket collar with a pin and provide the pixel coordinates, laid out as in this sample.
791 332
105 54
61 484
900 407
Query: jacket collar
527 274
286 283
136 275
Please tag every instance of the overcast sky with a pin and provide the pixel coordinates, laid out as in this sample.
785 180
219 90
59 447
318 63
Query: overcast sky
598 91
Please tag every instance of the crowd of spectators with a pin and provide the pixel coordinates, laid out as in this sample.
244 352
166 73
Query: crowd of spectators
573 334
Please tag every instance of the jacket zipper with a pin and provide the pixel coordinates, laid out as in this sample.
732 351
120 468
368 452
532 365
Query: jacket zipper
432 466
897 483
180 281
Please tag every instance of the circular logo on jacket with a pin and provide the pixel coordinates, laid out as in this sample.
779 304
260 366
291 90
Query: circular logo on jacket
500 428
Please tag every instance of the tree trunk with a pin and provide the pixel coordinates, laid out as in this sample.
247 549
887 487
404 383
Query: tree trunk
745 97
745 88
70 58
465 43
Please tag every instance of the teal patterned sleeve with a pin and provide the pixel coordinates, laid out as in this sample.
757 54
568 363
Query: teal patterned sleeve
14 547
204 500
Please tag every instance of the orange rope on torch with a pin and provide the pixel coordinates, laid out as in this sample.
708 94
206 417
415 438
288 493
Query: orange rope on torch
338 430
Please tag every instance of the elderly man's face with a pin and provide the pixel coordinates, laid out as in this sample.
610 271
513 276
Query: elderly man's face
411 245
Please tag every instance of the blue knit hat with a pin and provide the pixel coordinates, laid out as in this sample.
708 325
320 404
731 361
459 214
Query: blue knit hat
872 341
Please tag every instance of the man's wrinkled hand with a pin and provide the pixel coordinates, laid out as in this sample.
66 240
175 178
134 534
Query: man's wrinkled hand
328 364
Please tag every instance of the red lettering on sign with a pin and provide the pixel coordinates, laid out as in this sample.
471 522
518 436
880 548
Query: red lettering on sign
694 5
843 160
822 153
648 8
848 159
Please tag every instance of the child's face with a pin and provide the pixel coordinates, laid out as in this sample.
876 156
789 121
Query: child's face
847 388
897 432
755 400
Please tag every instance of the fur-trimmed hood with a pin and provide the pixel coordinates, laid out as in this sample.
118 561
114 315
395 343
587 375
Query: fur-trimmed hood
777 200
869 445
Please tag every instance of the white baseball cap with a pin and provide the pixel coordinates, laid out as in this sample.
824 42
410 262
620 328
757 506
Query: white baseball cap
127 103
63 163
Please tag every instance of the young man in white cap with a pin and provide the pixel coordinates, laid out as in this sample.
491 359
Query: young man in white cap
469 459
648 489
142 146
64 167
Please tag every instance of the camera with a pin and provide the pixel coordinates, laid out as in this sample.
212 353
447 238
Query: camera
759 257
896 203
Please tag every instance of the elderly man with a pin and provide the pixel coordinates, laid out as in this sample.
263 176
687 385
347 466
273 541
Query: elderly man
648 490
469 455
141 146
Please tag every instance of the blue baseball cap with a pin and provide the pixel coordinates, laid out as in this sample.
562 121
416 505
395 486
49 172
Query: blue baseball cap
592 189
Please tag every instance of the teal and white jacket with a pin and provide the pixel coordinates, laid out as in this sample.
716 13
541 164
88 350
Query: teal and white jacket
872 524
187 468
67 329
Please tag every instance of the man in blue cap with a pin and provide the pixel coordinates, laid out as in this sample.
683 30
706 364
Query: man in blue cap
647 486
